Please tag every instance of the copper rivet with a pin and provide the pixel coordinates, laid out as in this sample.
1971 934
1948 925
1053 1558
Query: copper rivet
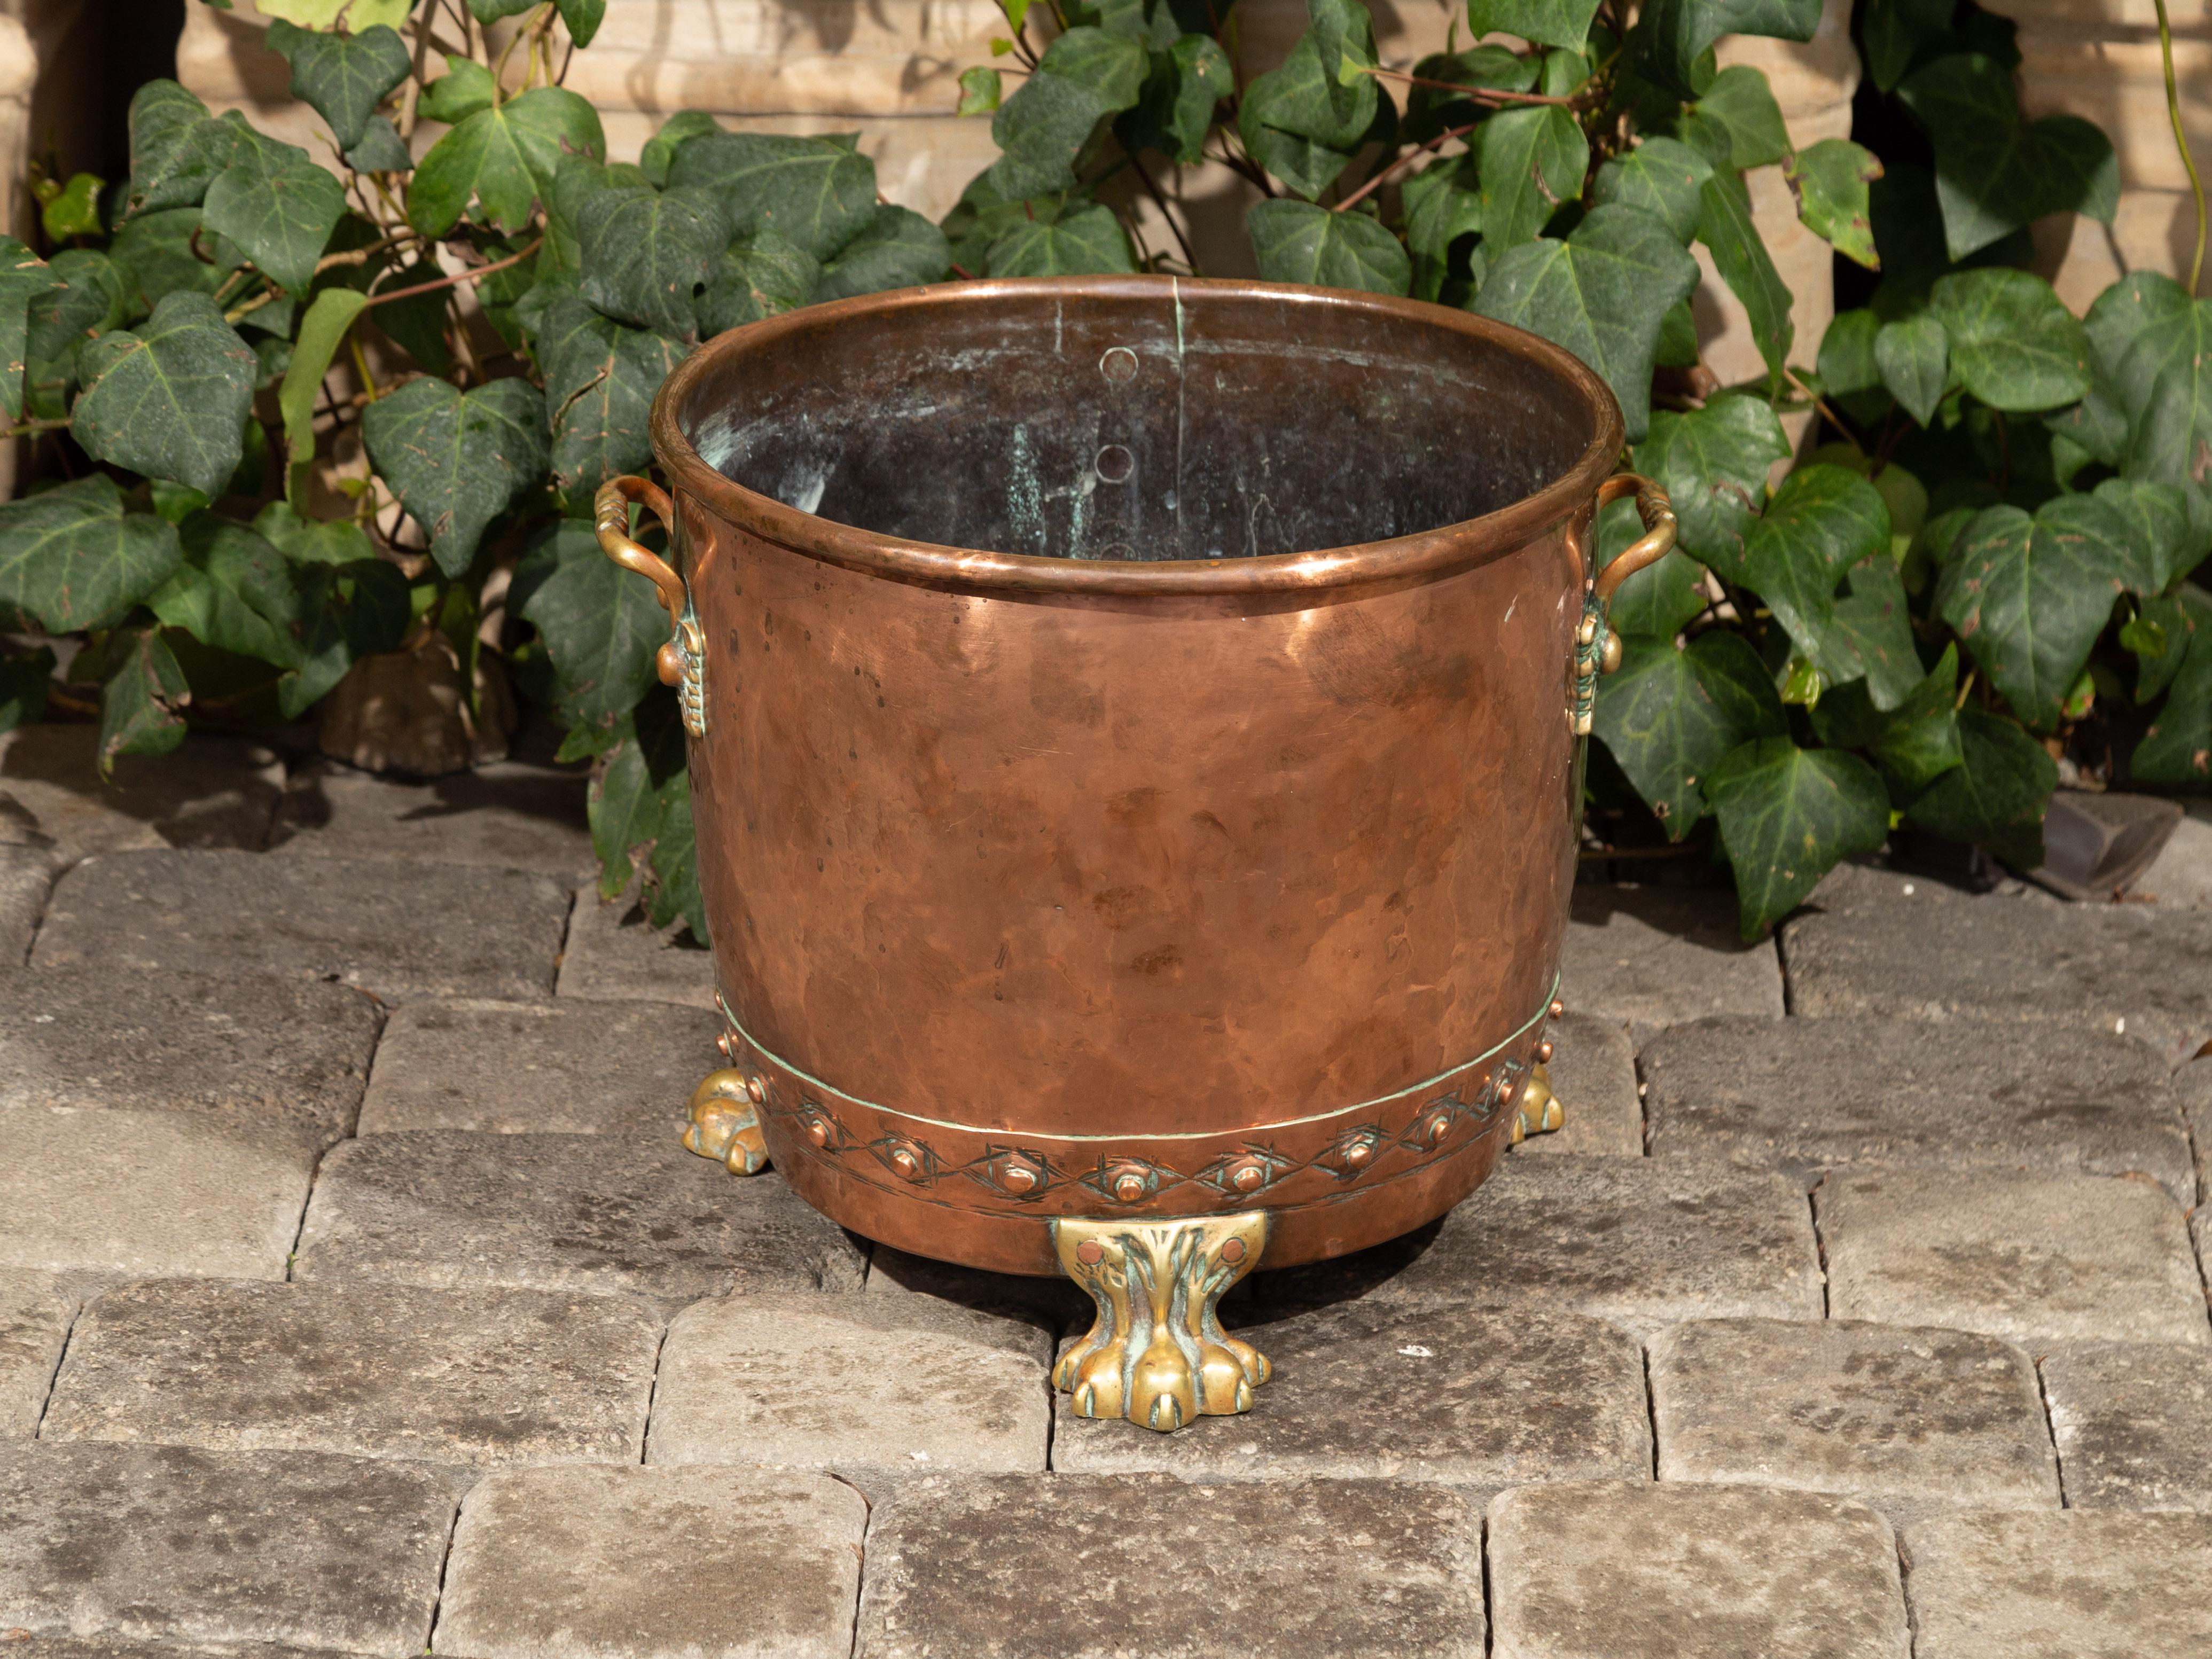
1248 1178
1019 1178
1358 1153
817 1132
1544 1049
1090 1253
1437 1124
1557 1009
1118 365
723 1043
1129 1187
907 1163
757 1089
1232 1249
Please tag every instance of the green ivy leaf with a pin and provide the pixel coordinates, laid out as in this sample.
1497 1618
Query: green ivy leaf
1831 180
177 148
1602 295
1174 109
659 152
2164 379
76 211
760 276
348 612
897 249
1088 241
72 558
325 328
233 591
1662 176
169 398
504 158
2176 751
1893 32
381 150
1787 817
1669 716
89 300
600 378
1712 463
311 541
151 253
1822 520
465 87
673 890
979 91
581 18
1301 123
1658 600
2159 544
343 77
24 682
647 255
1740 254
1912 745
1298 242
1870 635
1914 360
2014 344
2030 596
1430 108
1442 206
25 279
458 461
625 801
818 193
140 699
1547 23
1084 75
277 205
490 11
601 624
1995 174
1528 162
1741 104
1995 796
1671 39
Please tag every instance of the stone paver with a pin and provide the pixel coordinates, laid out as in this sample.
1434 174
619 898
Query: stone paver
539 1068
1899 1418
2067 1585
212 792
27 875
478 1377
851 1382
509 816
2181 875
2193 1083
1101 1567
1872 948
613 955
2019 1256
35 1312
187 1546
1054 1306
630 1213
1641 1241
1634 1570
147 1193
653 1564
397 930
2133 1424
255 1055
1806 1095
109 1647
1658 956
1434 1393
1592 1072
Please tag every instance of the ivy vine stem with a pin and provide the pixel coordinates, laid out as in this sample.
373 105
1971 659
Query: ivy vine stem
1487 95
474 273
2181 141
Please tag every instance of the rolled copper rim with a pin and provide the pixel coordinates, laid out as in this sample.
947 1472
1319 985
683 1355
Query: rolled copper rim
1446 547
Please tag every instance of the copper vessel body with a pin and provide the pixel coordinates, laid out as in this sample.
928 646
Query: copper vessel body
1121 883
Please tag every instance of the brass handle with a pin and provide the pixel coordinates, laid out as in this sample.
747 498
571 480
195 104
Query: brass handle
1657 540
681 661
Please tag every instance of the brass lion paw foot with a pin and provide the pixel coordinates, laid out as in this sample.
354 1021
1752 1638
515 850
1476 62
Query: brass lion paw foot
1540 1111
1157 1354
725 1123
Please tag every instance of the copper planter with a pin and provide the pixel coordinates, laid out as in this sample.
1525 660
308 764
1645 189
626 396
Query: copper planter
1149 868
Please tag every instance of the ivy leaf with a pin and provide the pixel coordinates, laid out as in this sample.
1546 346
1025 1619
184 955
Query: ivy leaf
24 280
1914 360
1430 108
24 683
2177 750
2159 544
1301 123
2030 596
981 91
327 322
600 378
2164 379
169 398
581 18
311 541
75 210
646 255
381 150
1602 295
1725 227
1298 242
1662 176
1871 635
1547 23
1088 241
233 591
1741 104
601 625
1176 107
1658 600
1994 173
457 461
277 205
503 157
490 11
151 253
816 193
1669 716
1995 795
72 558
2014 344
465 87
1442 206
1831 180
342 76
1824 519
1891 32
1712 463
897 249
673 888
177 148
626 803
1671 39
659 152
1912 745
1084 75
1787 817
140 699
1528 161
348 612
760 276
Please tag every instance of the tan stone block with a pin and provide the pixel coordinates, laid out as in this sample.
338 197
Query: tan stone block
34 1321
612 955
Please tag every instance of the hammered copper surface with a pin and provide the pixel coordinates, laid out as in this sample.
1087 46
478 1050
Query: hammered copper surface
1115 883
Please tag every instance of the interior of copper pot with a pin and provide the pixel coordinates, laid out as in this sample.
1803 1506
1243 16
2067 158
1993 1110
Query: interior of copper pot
1158 421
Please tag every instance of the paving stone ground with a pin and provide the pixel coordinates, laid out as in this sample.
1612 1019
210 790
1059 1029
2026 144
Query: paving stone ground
340 1197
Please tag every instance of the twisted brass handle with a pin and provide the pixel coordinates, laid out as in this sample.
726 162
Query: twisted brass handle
1597 647
681 662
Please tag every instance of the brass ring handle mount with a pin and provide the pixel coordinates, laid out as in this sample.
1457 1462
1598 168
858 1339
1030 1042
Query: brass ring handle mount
681 661
1597 647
